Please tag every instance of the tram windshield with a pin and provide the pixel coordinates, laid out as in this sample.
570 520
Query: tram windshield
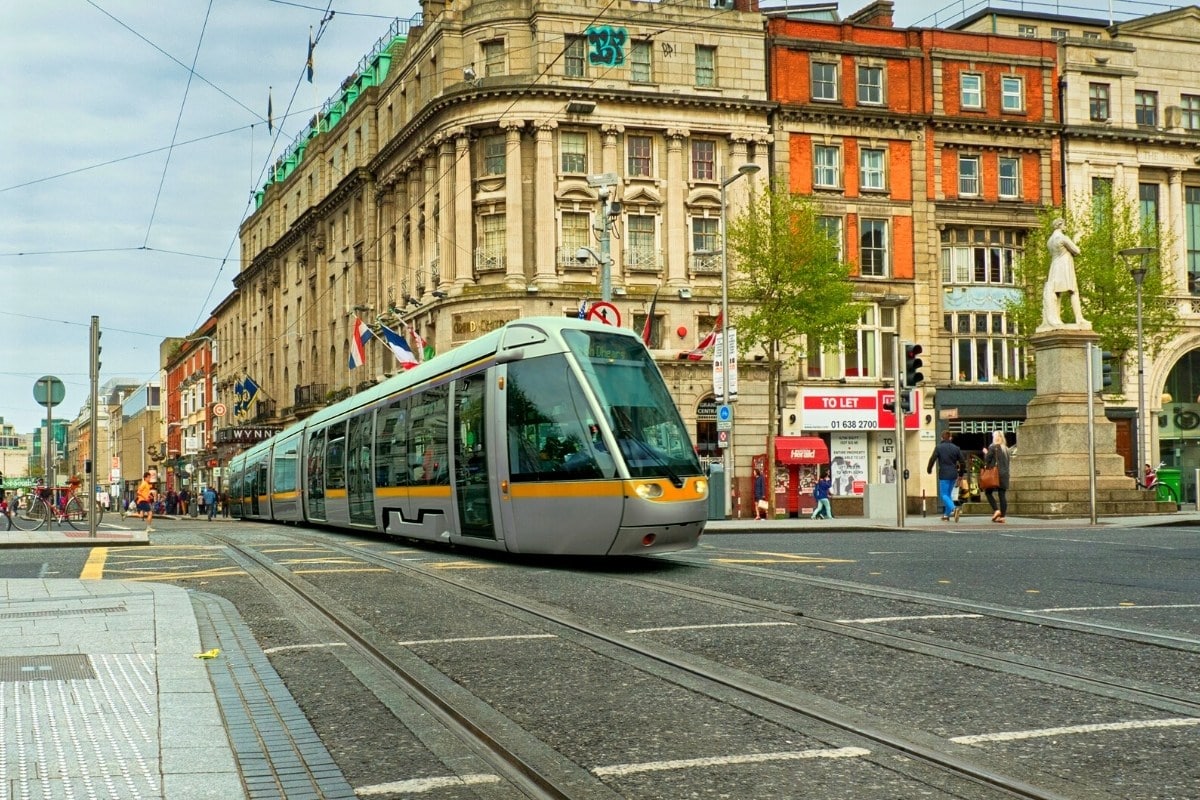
643 417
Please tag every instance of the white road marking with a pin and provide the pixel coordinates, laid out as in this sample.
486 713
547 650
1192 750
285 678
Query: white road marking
424 784
868 620
478 639
1117 608
1011 736
718 761
316 646
715 625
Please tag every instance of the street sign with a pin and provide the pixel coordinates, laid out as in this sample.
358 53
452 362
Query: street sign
725 418
603 179
722 439
605 313
49 391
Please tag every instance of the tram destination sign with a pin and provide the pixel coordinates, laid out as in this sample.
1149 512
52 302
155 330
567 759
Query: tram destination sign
247 434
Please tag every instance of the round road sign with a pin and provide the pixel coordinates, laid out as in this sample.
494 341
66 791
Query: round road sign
606 313
219 409
49 391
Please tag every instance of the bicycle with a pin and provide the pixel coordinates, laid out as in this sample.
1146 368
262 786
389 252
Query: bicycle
1163 492
30 512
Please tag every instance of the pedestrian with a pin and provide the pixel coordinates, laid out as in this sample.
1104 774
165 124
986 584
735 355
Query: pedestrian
145 500
224 504
210 502
997 456
184 497
760 494
949 462
821 494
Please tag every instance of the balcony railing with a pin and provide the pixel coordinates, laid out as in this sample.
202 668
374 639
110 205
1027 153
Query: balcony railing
311 395
643 259
489 260
565 258
706 262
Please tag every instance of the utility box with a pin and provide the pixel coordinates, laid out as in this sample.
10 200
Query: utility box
716 491
1173 478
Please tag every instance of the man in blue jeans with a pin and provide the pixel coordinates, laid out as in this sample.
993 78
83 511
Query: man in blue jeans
210 501
949 460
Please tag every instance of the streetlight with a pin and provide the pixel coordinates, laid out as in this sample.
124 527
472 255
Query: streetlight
730 459
1139 276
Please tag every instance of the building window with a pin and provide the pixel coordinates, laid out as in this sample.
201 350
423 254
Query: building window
493 155
866 353
1012 94
706 65
493 58
705 234
827 167
1098 110
573 152
1091 35
641 62
873 248
971 90
832 226
640 150
1058 34
1010 178
870 86
1145 106
1027 31
985 347
642 253
1148 210
704 155
1191 221
1102 194
1189 112
871 169
573 63
968 176
574 235
493 243
824 81
981 256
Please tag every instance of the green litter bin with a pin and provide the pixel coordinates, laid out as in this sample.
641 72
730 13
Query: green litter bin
1173 478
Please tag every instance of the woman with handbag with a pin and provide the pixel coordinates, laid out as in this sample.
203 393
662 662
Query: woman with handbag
993 478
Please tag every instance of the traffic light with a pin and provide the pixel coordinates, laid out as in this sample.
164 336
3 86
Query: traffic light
906 398
889 404
913 364
1106 370
95 346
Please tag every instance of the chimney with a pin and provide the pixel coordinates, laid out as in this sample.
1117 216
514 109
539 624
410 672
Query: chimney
878 14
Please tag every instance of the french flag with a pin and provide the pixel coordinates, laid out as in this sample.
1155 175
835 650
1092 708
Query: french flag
358 353
397 344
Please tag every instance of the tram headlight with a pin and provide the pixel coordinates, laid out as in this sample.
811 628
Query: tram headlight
702 487
649 491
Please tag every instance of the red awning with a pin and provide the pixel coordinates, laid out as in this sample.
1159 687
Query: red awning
801 450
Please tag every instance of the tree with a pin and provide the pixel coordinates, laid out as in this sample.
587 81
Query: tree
793 288
1102 225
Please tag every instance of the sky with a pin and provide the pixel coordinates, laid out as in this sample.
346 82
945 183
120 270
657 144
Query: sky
134 136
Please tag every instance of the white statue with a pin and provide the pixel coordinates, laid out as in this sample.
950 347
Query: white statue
1061 280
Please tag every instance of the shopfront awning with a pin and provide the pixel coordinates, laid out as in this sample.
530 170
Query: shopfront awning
801 450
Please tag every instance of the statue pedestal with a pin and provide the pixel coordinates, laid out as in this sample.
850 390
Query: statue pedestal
1049 472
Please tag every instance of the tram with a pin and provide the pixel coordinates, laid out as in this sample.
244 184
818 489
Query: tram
547 435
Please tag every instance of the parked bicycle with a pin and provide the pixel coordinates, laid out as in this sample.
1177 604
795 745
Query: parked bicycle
1163 492
31 512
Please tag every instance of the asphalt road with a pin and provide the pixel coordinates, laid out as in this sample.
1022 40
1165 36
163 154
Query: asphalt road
1066 656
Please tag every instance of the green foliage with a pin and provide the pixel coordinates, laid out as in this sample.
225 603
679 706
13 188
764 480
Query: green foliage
786 273
1102 226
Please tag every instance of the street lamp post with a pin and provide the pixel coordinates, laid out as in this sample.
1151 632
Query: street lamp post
1141 447
730 459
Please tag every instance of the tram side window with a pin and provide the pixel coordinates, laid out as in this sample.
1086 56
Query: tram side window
390 423
316 465
335 458
260 479
284 473
552 432
428 454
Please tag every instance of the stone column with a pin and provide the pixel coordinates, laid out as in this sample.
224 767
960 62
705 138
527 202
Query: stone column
545 223
412 254
514 205
431 244
448 246
1176 221
674 236
464 218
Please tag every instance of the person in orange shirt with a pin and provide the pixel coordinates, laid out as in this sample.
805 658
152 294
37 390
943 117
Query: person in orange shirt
145 499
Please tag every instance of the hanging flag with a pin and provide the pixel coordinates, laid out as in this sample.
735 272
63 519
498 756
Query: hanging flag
649 326
418 343
358 341
583 308
399 347
248 394
308 65
270 112
705 344
238 408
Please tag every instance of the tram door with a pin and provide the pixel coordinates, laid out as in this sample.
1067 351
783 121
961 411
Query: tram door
314 498
472 464
360 483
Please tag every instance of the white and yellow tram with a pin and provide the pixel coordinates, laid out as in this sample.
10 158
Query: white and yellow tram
547 435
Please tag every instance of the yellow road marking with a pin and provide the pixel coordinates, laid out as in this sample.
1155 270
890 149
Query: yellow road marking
460 565
323 571
137 575
785 558
320 561
93 568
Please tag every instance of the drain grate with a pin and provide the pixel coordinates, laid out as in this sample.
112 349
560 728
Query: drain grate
63 612
46 668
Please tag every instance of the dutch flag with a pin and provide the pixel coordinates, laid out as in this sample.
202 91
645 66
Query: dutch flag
358 355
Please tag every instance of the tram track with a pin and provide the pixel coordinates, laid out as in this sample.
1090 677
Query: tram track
939 753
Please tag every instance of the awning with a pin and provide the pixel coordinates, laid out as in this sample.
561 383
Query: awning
801 450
